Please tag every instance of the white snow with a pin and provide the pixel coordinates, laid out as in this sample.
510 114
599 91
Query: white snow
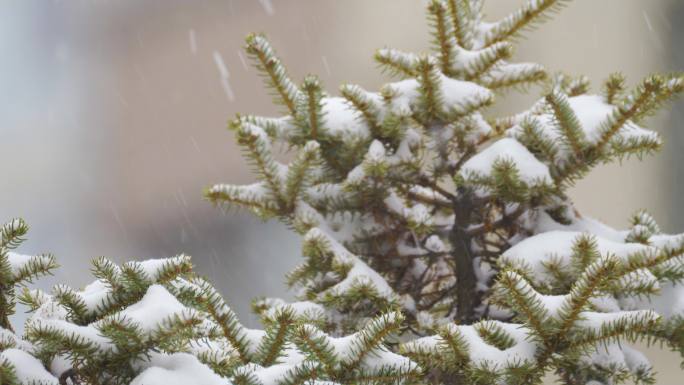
553 304
359 273
531 170
177 369
480 352
595 320
303 309
94 294
153 267
605 303
192 36
666 240
224 75
635 359
435 244
9 339
268 6
456 94
345 347
534 251
582 224
592 112
60 364
255 193
220 65
608 355
28 368
376 151
505 71
19 261
417 214
341 119
272 374
156 306
394 203
669 302
87 333
459 93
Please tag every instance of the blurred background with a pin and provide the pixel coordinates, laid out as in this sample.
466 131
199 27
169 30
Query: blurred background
113 116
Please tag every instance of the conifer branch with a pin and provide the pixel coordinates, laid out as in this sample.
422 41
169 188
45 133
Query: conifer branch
254 140
519 75
437 15
273 71
107 271
301 374
271 346
486 59
253 197
224 316
455 344
12 232
629 325
460 19
429 82
363 103
578 86
372 336
299 172
613 87
309 109
8 374
494 334
533 138
646 98
36 266
532 12
567 123
317 345
591 283
77 309
514 291
397 63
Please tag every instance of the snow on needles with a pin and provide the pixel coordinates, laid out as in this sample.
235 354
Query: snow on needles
456 94
530 170
481 353
156 306
592 111
536 251
341 119
177 369
29 370
359 273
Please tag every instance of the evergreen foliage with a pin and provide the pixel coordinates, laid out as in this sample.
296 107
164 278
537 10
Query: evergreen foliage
413 199
439 243
156 322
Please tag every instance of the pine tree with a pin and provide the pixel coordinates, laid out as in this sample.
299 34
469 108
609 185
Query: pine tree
156 322
440 245
414 199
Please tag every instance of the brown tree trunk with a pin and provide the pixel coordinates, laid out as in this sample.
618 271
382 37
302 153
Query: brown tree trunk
4 309
466 280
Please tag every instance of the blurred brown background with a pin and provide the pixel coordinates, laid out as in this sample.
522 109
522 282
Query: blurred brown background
113 118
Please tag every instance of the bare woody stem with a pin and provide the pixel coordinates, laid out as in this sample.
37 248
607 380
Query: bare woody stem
466 281
4 307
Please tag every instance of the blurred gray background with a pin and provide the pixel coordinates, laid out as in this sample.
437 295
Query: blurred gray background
113 116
